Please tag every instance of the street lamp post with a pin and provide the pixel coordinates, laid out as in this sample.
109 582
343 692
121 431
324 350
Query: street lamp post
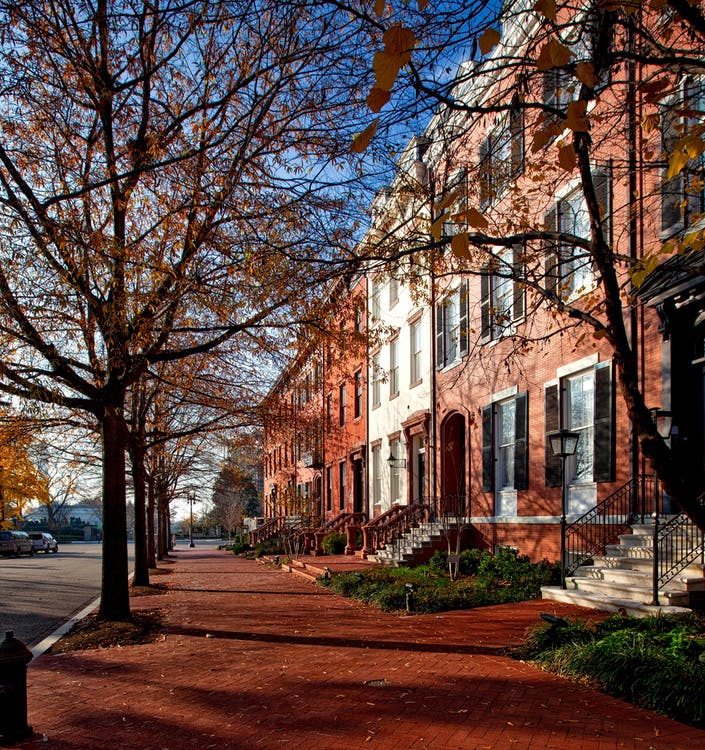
563 444
191 499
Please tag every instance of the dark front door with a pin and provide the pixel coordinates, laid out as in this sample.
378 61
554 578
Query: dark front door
358 495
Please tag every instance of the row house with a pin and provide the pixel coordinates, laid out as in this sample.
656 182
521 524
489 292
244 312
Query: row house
467 370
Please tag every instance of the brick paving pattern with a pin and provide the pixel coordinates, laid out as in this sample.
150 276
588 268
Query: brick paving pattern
258 658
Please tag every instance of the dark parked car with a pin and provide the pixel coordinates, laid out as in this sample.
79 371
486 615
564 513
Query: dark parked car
43 542
15 543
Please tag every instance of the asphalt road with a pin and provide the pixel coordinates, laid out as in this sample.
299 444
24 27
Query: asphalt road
37 594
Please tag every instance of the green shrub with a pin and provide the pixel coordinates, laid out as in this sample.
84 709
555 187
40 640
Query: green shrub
334 543
433 591
653 662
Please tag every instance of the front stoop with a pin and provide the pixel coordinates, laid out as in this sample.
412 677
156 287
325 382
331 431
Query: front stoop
413 548
620 581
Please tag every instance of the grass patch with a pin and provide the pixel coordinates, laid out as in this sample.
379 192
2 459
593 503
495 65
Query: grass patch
656 663
484 579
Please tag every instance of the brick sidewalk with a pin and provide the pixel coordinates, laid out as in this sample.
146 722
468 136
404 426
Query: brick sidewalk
257 658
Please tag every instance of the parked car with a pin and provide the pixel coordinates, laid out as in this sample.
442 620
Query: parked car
43 542
15 543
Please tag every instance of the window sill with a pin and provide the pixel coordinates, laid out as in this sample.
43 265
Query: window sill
392 396
415 383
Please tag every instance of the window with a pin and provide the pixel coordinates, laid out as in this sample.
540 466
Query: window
341 485
502 295
682 195
583 402
376 380
376 474
393 291
358 394
569 267
358 318
342 396
376 299
329 487
505 464
449 212
558 88
416 350
394 367
452 327
395 472
580 415
501 156
329 412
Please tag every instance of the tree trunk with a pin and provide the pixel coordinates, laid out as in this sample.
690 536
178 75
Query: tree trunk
141 577
151 551
115 597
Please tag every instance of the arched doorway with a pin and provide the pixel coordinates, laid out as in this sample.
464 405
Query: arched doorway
453 469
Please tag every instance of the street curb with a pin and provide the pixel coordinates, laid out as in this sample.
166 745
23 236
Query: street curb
50 640
46 643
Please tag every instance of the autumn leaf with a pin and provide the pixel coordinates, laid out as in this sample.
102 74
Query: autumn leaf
547 8
377 98
488 40
422 4
437 226
476 219
648 264
567 157
379 7
650 123
386 68
362 140
676 162
399 40
449 199
460 245
553 54
576 119
585 72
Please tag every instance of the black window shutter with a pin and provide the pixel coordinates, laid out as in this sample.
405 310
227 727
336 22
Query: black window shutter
487 449
463 317
552 423
516 132
440 344
485 161
603 188
485 306
604 448
550 251
673 189
519 273
521 442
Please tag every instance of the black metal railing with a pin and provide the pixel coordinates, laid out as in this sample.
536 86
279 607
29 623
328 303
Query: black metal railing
677 544
590 534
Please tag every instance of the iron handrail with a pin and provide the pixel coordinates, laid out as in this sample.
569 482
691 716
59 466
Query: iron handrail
678 543
342 521
271 527
392 525
590 534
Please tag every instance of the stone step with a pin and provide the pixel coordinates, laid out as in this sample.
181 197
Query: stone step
694 570
618 550
606 604
624 590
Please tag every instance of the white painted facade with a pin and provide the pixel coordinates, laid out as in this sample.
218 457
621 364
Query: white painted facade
400 365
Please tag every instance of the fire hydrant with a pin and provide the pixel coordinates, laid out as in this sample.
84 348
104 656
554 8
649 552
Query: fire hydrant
14 658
